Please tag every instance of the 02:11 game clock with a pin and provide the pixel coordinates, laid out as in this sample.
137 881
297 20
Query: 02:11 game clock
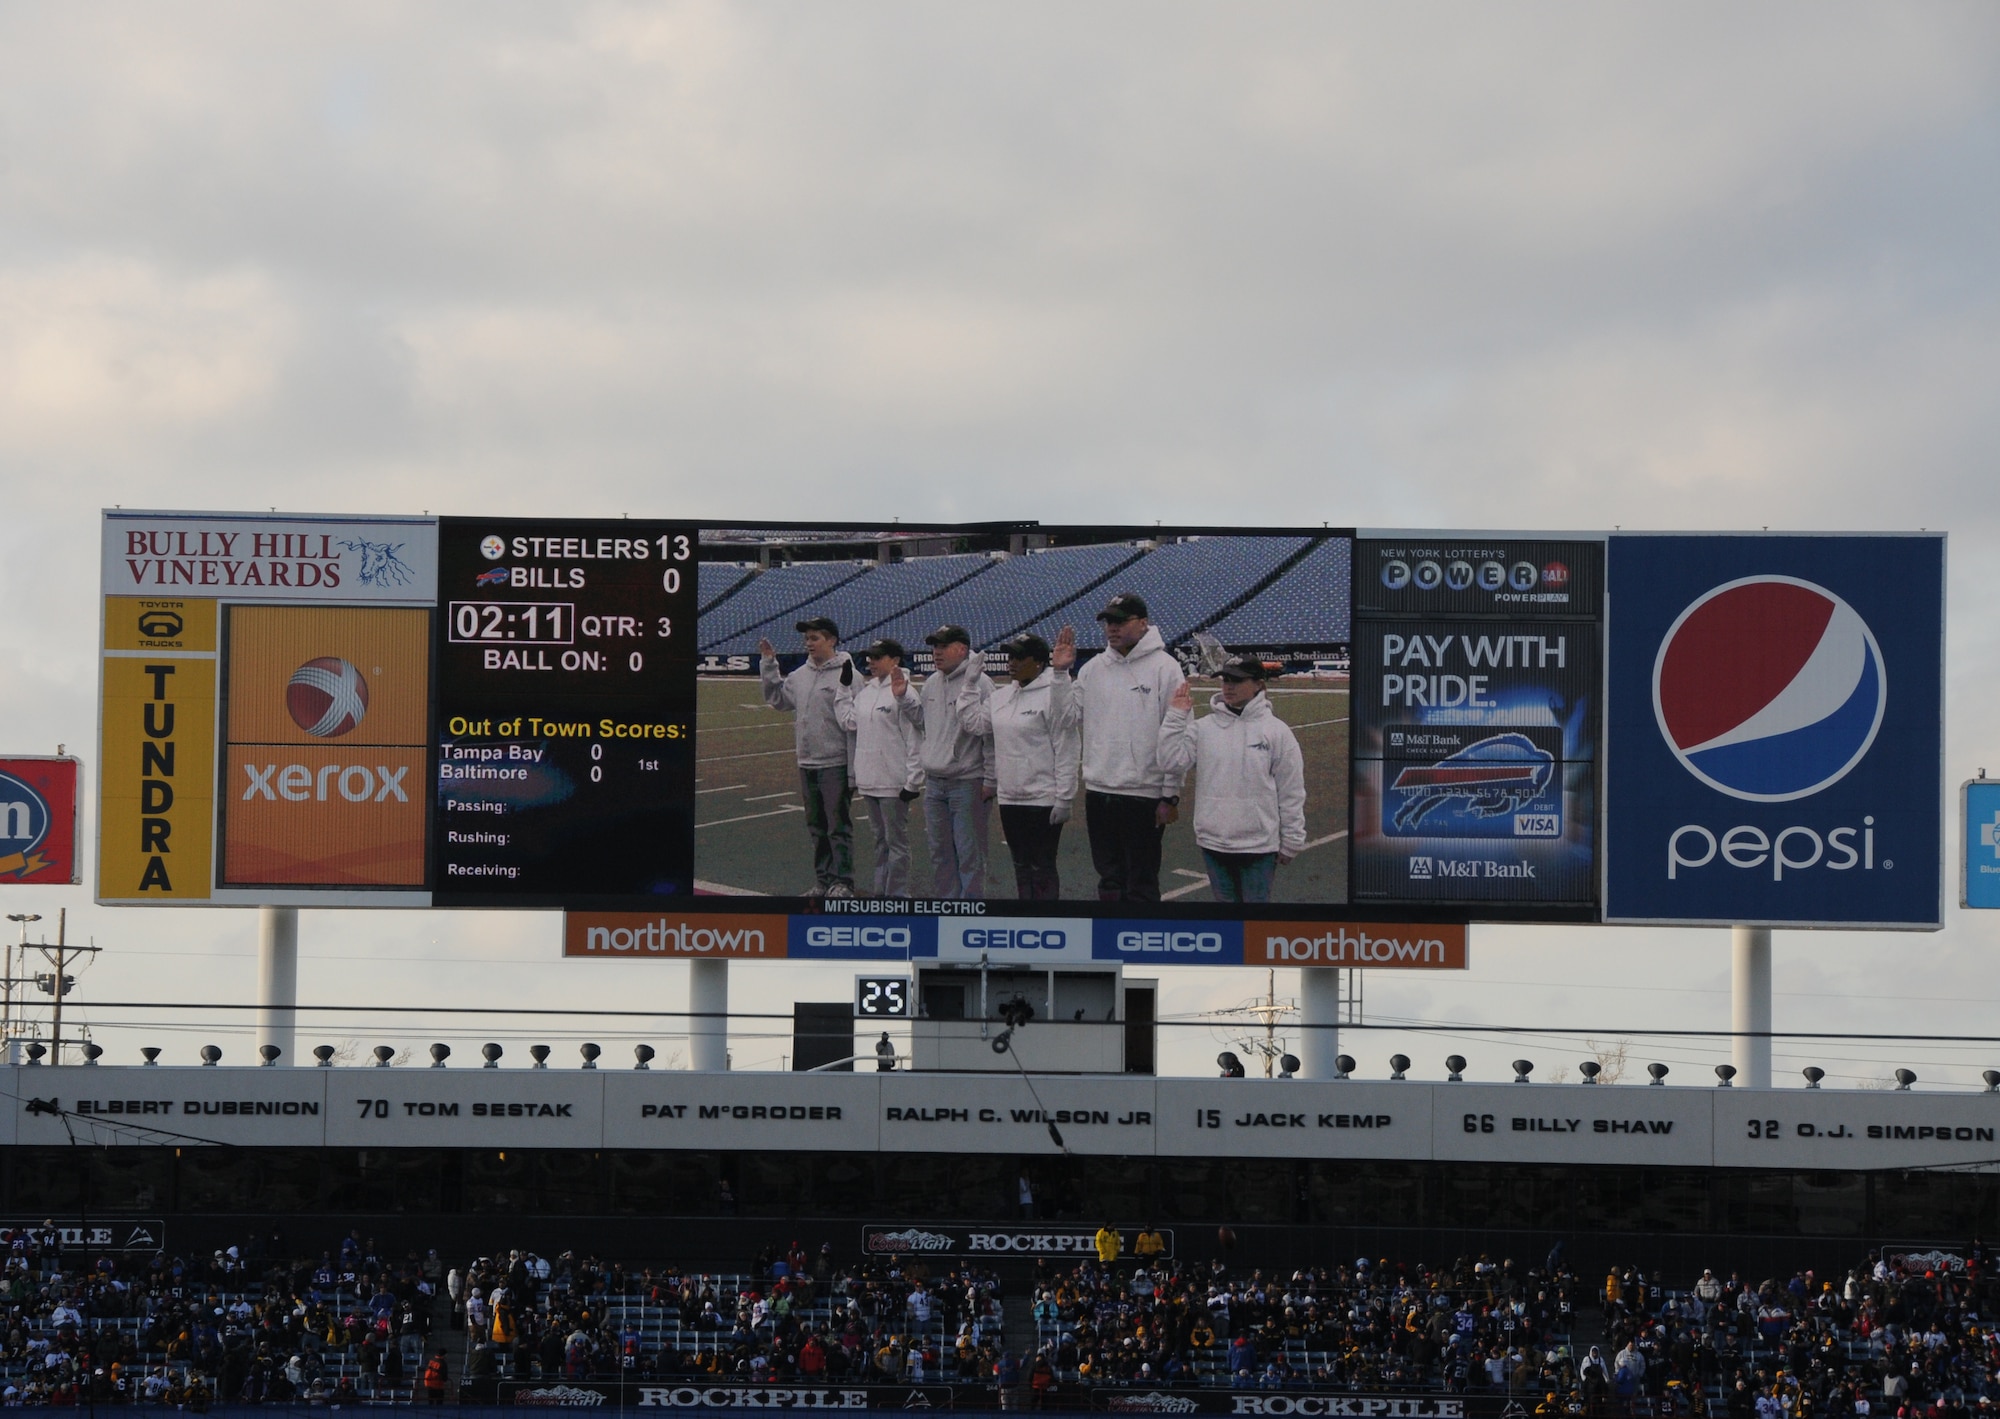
565 713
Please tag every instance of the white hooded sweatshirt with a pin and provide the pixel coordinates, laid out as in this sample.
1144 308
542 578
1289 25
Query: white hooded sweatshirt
812 693
888 741
1034 737
1250 790
1123 699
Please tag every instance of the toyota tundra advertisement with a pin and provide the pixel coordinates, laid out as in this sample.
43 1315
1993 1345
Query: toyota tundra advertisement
1776 729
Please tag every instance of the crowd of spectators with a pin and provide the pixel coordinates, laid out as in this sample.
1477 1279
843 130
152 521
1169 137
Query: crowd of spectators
1897 1337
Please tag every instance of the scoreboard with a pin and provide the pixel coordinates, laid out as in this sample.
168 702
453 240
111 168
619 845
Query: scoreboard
397 711
565 706
550 713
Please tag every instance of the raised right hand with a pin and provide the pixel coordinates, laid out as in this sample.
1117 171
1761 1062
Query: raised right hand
1183 697
766 649
1062 655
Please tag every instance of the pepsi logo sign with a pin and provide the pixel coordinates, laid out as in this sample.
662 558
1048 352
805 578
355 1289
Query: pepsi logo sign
327 697
1769 688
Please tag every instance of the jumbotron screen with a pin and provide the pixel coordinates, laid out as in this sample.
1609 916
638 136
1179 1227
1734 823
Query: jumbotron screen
1014 720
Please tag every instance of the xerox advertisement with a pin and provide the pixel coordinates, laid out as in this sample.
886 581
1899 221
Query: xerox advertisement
1475 747
1776 730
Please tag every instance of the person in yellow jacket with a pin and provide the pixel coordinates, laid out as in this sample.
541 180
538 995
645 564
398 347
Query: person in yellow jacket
1108 1244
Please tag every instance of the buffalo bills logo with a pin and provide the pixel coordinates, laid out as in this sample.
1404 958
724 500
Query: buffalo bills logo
1497 775
1769 688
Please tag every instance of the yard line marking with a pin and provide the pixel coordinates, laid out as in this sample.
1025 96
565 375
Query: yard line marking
746 728
774 813
758 798
1314 724
760 754
717 889
1197 886
724 789
1184 872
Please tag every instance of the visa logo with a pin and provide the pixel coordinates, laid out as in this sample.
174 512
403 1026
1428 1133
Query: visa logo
1537 825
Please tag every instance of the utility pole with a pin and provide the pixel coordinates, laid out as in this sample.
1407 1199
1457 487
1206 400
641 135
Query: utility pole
61 983
7 1003
58 985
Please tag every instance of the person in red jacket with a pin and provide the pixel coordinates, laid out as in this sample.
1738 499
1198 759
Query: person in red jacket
812 1359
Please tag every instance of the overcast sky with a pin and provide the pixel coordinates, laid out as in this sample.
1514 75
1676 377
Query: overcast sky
1668 266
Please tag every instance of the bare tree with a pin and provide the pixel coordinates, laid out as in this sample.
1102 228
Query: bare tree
1556 1074
1611 1059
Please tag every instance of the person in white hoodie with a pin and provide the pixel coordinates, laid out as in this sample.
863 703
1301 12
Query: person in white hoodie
1129 796
888 772
1032 719
1250 807
958 767
825 750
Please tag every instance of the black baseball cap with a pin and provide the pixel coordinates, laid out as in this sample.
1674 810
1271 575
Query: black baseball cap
818 623
885 646
1242 667
945 635
1027 646
1125 606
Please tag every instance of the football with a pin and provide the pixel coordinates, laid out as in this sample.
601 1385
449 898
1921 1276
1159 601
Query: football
1225 1237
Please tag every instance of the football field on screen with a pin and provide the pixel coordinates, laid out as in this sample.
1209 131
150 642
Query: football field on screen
750 832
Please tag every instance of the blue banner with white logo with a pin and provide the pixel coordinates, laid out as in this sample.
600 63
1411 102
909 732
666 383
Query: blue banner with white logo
1169 943
1775 730
861 938
1980 886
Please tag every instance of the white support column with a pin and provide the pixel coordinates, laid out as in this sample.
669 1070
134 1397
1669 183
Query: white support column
1319 1014
708 1022
1750 1005
278 980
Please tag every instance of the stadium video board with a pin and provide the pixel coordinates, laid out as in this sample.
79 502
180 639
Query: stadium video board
1304 743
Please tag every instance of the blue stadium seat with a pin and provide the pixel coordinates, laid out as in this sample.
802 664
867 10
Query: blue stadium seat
716 579
1311 604
1012 594
775 593
1184 584
856 605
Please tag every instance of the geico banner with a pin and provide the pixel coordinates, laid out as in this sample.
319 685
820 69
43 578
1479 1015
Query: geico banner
1000 1239
284 1108
1847 1129
1012 1113
673 1108
1570 1123
1024 940
612 936
1293 1118
465 1108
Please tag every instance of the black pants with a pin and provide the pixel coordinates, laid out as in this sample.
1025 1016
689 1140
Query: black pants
1124 846
1034 841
